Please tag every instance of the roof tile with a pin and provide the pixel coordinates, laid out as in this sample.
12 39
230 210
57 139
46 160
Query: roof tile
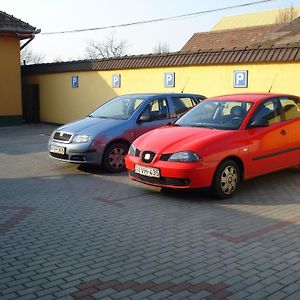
246 55
9 23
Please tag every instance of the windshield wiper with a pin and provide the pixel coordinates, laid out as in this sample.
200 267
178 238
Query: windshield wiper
172 124
202 126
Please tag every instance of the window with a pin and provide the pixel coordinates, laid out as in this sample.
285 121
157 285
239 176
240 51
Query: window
291 108
121 107
182 104
218 114
156 110
268 111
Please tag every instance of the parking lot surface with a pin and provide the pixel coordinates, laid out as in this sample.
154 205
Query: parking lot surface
74 232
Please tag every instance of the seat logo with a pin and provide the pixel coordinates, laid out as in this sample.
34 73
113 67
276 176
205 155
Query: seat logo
147 156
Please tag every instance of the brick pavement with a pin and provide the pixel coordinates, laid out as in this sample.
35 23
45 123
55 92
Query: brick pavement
69 232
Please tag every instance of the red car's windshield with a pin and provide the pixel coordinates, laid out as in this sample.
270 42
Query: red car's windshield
217 114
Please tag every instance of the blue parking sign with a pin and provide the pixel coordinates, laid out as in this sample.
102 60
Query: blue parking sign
75 82
116 80
169 79
240 79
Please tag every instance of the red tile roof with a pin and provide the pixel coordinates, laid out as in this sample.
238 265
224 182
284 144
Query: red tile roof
271 43
265 35
246 55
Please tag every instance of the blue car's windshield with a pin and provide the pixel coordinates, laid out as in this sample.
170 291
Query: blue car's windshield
217 114
121 107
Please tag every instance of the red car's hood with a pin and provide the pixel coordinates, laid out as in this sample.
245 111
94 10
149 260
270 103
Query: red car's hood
173 139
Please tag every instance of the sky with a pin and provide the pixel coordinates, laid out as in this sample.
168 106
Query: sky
63 15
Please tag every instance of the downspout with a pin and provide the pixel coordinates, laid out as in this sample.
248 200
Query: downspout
25 44
31 37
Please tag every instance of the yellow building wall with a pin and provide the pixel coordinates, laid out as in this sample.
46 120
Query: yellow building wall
60 103
252 19
10 83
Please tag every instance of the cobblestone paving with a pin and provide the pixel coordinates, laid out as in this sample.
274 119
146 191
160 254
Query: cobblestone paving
74 232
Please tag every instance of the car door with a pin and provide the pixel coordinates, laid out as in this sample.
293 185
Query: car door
155 114
268 144
291 110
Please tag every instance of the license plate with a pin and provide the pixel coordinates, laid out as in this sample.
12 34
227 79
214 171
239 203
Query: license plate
57 149
147 171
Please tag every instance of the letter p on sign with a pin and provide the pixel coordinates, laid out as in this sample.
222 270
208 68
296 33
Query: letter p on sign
116 80
240 79
170 79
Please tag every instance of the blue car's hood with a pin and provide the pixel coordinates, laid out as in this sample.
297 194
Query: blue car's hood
91 126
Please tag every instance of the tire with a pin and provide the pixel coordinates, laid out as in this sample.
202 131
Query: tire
227 179
114 157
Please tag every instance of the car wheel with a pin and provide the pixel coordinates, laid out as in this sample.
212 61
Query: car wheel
114 157
226 180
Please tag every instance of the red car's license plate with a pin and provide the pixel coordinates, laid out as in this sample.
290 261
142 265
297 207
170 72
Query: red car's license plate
147 171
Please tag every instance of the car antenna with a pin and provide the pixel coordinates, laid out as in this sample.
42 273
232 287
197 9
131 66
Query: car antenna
185 85
273 83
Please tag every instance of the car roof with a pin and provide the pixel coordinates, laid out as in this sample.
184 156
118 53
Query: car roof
163 94
249 97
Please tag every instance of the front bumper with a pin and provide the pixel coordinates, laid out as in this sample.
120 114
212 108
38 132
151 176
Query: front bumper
85 153
173 174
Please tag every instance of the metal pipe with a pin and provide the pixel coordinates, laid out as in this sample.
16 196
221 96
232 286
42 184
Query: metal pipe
25 44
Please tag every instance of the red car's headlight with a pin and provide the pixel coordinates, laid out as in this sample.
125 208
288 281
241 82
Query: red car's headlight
184 156
132 150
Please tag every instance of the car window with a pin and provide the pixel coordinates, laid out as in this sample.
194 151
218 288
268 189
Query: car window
291 108
157 109
269 111
121 107
137 103
182 104
199 99
218 114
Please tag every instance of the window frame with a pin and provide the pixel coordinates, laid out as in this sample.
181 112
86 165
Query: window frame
276 103
296 100
159 100
193 102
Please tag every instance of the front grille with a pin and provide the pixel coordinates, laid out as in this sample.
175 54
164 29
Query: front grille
61 156
147 156
60 136
78 157
161 180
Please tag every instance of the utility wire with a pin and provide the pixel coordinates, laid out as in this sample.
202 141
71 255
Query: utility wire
160 19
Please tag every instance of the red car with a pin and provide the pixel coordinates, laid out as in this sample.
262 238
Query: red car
219 143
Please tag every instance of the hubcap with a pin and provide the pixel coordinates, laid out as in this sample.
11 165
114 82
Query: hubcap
229 180
116 158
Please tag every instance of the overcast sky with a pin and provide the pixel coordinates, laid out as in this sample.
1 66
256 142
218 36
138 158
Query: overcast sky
61 15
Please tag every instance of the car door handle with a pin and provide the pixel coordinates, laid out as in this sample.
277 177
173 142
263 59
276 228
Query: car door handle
283 132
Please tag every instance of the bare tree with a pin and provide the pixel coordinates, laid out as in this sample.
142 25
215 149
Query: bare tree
286 15
161 47
28 57
110 47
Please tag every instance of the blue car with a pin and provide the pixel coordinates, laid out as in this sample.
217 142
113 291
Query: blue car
103 137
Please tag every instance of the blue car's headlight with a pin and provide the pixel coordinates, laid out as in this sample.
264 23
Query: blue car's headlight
81 138
184 156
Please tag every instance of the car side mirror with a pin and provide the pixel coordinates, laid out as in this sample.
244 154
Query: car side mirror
259 123
144 118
